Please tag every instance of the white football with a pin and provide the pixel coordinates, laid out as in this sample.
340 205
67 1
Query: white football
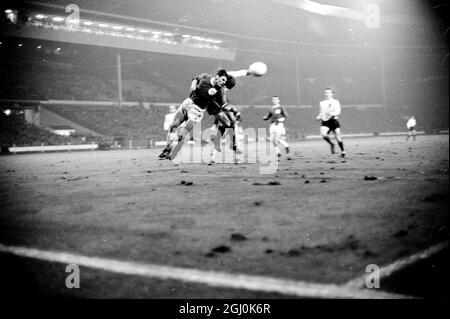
258 68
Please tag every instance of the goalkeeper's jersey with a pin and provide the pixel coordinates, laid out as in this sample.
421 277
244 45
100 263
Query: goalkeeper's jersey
206 95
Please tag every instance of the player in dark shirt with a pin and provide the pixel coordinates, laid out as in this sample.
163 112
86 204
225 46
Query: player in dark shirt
232 117
207 92
277 116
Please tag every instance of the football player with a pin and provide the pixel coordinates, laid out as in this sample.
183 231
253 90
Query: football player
206 92
330 110
233 118
411 125
277 131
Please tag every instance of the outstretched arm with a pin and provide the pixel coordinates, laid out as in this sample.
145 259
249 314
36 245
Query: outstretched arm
267 116
239 73
193 86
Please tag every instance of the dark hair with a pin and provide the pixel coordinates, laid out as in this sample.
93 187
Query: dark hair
275 96
329 89
222 72
231 82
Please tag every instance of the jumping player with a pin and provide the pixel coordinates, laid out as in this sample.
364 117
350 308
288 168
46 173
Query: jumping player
330 109
411 125
277 131
206 92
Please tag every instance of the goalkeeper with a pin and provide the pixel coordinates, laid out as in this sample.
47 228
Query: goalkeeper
206 92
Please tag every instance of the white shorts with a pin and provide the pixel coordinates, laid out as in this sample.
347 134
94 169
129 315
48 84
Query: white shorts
277 131
191 111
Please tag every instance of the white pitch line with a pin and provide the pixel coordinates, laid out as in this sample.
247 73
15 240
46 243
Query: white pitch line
397 265
211 278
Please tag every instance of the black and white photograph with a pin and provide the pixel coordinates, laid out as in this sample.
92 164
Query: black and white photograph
235 151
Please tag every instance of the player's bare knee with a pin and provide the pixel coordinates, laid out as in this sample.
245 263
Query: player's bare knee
324 131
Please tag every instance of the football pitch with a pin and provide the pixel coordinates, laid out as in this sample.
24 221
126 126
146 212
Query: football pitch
139 227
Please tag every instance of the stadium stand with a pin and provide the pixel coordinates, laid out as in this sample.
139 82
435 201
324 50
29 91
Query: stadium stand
354 119
127 122
41 79
134 90
15 131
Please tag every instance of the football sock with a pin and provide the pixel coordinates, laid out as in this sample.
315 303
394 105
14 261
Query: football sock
328 140
284 143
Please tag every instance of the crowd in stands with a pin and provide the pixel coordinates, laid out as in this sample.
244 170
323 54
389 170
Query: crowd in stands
40 79
125 122
134 90
14 131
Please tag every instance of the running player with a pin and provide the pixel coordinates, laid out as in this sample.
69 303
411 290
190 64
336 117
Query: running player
330 110
277 131
411 125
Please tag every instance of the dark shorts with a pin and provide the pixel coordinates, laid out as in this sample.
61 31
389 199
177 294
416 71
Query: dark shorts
226 118
332 124
213 109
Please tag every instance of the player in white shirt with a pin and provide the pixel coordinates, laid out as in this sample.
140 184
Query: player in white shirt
277 131
330 110
411 125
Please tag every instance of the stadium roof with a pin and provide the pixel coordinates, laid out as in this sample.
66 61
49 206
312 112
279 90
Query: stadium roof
422 21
